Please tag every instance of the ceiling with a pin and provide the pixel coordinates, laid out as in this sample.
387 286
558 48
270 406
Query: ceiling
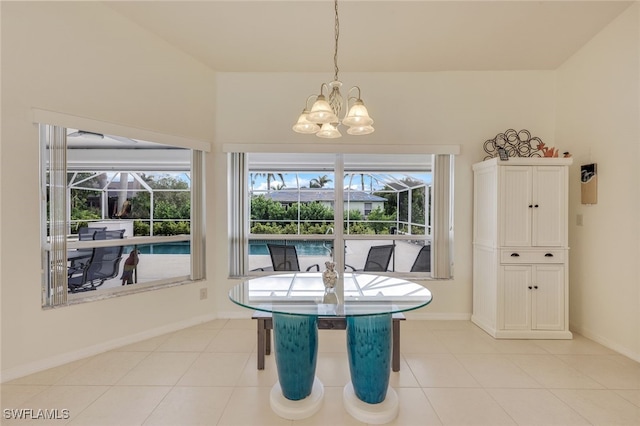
375 36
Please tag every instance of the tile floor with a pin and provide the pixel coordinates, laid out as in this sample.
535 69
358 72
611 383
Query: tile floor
452 373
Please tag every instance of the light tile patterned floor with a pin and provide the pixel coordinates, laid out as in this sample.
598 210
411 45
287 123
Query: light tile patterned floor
452 373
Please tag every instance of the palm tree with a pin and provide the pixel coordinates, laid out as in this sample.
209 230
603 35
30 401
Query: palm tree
270 177
320 182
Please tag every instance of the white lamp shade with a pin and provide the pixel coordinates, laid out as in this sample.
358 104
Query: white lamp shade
360 130
358 115
321 112
329 131
303 125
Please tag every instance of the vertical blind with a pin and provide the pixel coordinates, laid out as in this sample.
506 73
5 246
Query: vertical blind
238 204
197 216
441 213
56 257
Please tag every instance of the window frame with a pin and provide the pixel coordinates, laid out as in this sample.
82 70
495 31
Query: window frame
239 258
54 279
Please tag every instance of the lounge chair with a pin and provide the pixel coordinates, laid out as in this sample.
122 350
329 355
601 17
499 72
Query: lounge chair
83 255
103 265
378 259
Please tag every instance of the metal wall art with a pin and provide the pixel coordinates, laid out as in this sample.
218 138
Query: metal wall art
517 144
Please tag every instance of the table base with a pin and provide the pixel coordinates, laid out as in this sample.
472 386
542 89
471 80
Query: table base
296 410
375 414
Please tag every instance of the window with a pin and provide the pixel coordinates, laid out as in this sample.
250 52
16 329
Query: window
117 211
387 203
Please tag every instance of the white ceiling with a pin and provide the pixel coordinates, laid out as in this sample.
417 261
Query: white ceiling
375 36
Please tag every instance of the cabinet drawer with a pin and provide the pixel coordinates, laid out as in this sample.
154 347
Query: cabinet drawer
532 256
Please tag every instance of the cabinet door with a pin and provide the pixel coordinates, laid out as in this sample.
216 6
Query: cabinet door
516 306
549 219
516 185
548 297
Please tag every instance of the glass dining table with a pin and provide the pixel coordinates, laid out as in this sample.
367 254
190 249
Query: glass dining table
296 300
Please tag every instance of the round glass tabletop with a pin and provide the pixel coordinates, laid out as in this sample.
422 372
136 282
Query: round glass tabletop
303 293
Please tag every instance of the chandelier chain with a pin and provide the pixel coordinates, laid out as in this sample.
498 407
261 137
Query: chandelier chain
337 35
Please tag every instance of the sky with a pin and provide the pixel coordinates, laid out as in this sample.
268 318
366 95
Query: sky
302 180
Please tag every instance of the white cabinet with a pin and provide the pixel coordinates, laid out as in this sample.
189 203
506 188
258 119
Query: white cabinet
533 297
520 252
532 202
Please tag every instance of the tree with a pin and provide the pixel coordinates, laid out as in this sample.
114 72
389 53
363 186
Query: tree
379 221
263 208
270 177
319 182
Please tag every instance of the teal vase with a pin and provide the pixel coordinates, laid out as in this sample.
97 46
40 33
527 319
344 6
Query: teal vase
369 352
296 350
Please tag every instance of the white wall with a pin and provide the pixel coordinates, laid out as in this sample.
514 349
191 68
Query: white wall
598 121
81 58
462 108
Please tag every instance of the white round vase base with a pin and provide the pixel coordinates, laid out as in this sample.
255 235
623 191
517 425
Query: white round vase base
375 414
296 410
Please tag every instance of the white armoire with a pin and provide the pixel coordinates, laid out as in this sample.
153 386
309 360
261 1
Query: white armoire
520 248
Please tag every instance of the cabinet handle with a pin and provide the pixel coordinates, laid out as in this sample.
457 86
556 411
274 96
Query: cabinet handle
536 206
515 255
548 255
530 206
535 286
530 287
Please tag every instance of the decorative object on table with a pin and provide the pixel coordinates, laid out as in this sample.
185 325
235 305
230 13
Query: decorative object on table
589 183
330 276
517 144
324 117
329 279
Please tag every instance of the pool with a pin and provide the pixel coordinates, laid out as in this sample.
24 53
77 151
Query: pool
256 247
304 248
181 247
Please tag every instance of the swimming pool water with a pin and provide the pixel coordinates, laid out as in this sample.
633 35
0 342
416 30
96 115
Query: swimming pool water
256 247
304 248
182 247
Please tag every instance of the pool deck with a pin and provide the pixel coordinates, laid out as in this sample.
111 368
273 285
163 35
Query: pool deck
153 267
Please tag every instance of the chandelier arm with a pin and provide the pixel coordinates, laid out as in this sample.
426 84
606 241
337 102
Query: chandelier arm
322 86
306 105
349 97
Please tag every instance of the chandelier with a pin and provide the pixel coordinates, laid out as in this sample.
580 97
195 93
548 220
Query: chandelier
323 118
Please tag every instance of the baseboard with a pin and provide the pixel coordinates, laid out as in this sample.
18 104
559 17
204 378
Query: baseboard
486 327
605 342
437 317
58 360
244 314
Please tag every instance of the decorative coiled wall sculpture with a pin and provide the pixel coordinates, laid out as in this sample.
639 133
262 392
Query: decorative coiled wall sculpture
516 144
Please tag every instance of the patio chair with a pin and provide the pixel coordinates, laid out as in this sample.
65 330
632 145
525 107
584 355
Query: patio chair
86 233
378 259
83 255
109 235
423 260
103 265
285 258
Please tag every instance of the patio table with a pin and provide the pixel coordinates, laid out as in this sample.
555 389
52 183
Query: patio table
296 300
